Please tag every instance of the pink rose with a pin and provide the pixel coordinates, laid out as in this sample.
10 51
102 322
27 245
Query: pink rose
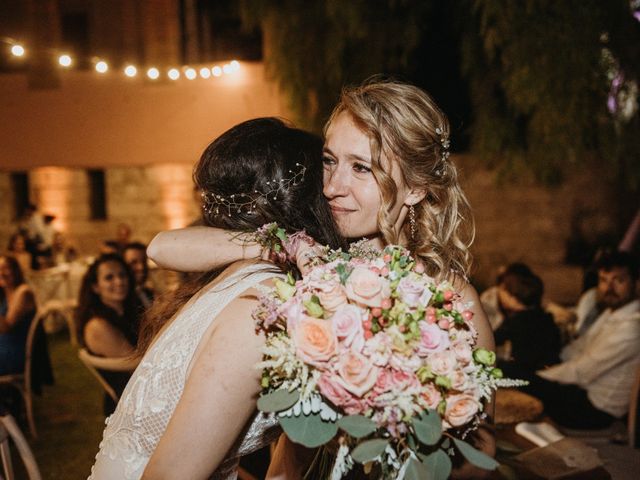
293 311
460 409
442 363
403 380
431 395
410 291
462 351
315 341
432 339
331 295
384 382
458 380
347 322
356 373
366 287
336 394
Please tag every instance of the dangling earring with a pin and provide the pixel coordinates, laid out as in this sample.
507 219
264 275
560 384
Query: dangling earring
412 222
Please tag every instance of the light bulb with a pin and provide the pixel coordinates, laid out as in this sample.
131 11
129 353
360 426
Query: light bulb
65 60
17 50
130 71
102 66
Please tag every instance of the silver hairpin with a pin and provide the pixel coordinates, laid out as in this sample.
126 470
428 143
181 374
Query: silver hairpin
246 202
443 139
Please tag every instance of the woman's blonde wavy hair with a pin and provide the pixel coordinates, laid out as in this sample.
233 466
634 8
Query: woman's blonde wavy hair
401 122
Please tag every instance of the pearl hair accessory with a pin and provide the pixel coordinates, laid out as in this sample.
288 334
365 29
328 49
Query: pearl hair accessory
443 138
246 202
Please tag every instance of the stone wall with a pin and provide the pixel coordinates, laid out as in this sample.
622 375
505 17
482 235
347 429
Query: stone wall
529 223
514 222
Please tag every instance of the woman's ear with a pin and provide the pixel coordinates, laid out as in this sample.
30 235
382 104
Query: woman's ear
415 196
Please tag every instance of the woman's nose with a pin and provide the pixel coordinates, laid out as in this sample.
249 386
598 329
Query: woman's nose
335 184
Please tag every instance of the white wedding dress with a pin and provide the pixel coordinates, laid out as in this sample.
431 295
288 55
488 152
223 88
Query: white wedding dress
147 403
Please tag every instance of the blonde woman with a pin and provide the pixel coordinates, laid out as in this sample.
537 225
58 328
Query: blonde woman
388 178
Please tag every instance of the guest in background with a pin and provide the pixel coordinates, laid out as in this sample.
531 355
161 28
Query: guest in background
592 385
17 310
18 250
62 252
118 244
135 255
108 316
490 299
531 332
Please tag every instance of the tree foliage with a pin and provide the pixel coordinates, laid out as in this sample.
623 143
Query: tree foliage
534 69
539 86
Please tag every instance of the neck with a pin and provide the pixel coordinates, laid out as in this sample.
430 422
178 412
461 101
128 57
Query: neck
117 306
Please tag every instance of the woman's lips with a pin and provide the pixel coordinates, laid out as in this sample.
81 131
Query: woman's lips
341 210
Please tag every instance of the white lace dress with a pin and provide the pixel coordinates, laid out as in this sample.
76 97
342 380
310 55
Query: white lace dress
147 403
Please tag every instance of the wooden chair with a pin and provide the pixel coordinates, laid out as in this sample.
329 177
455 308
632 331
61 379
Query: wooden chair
94 364
22 381
9 430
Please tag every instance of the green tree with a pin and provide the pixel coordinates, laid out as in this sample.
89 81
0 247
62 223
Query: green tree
539 85
314 47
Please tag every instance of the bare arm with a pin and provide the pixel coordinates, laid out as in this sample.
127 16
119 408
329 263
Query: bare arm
102 338
23 302
199 249
218 399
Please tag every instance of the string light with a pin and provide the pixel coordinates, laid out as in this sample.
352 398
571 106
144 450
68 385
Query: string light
65 60
17 50
130 71
102 66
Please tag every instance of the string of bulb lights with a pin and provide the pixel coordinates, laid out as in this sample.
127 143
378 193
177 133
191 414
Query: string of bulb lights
101 66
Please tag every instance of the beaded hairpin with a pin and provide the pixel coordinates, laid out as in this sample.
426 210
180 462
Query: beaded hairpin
443 139
246 202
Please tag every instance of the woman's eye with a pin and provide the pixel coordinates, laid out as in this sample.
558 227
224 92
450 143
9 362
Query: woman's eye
328 161
361 168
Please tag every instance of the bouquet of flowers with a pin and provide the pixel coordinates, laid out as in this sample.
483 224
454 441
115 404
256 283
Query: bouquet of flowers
371 355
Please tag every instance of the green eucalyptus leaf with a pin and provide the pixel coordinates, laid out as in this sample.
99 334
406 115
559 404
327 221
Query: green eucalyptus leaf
416 470
357 426
428 427
308 430
369 450
277 401
478 458
438 465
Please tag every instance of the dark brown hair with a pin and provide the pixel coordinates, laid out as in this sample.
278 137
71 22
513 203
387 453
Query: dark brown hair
246 160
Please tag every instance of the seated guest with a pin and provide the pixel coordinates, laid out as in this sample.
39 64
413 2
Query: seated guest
117 245
135 255
592 385
489 298
18 250
531 332
17 309
107 316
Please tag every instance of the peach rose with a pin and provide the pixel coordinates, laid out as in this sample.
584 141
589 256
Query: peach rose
315 341
462 351
356 373
460 409
442 363
366 287
331 295
431 395
347 322
458 380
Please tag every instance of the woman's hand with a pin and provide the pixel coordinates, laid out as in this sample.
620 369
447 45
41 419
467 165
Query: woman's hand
306 255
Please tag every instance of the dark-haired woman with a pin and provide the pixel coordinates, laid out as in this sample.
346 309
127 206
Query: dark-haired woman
189 410
17 309
107 317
